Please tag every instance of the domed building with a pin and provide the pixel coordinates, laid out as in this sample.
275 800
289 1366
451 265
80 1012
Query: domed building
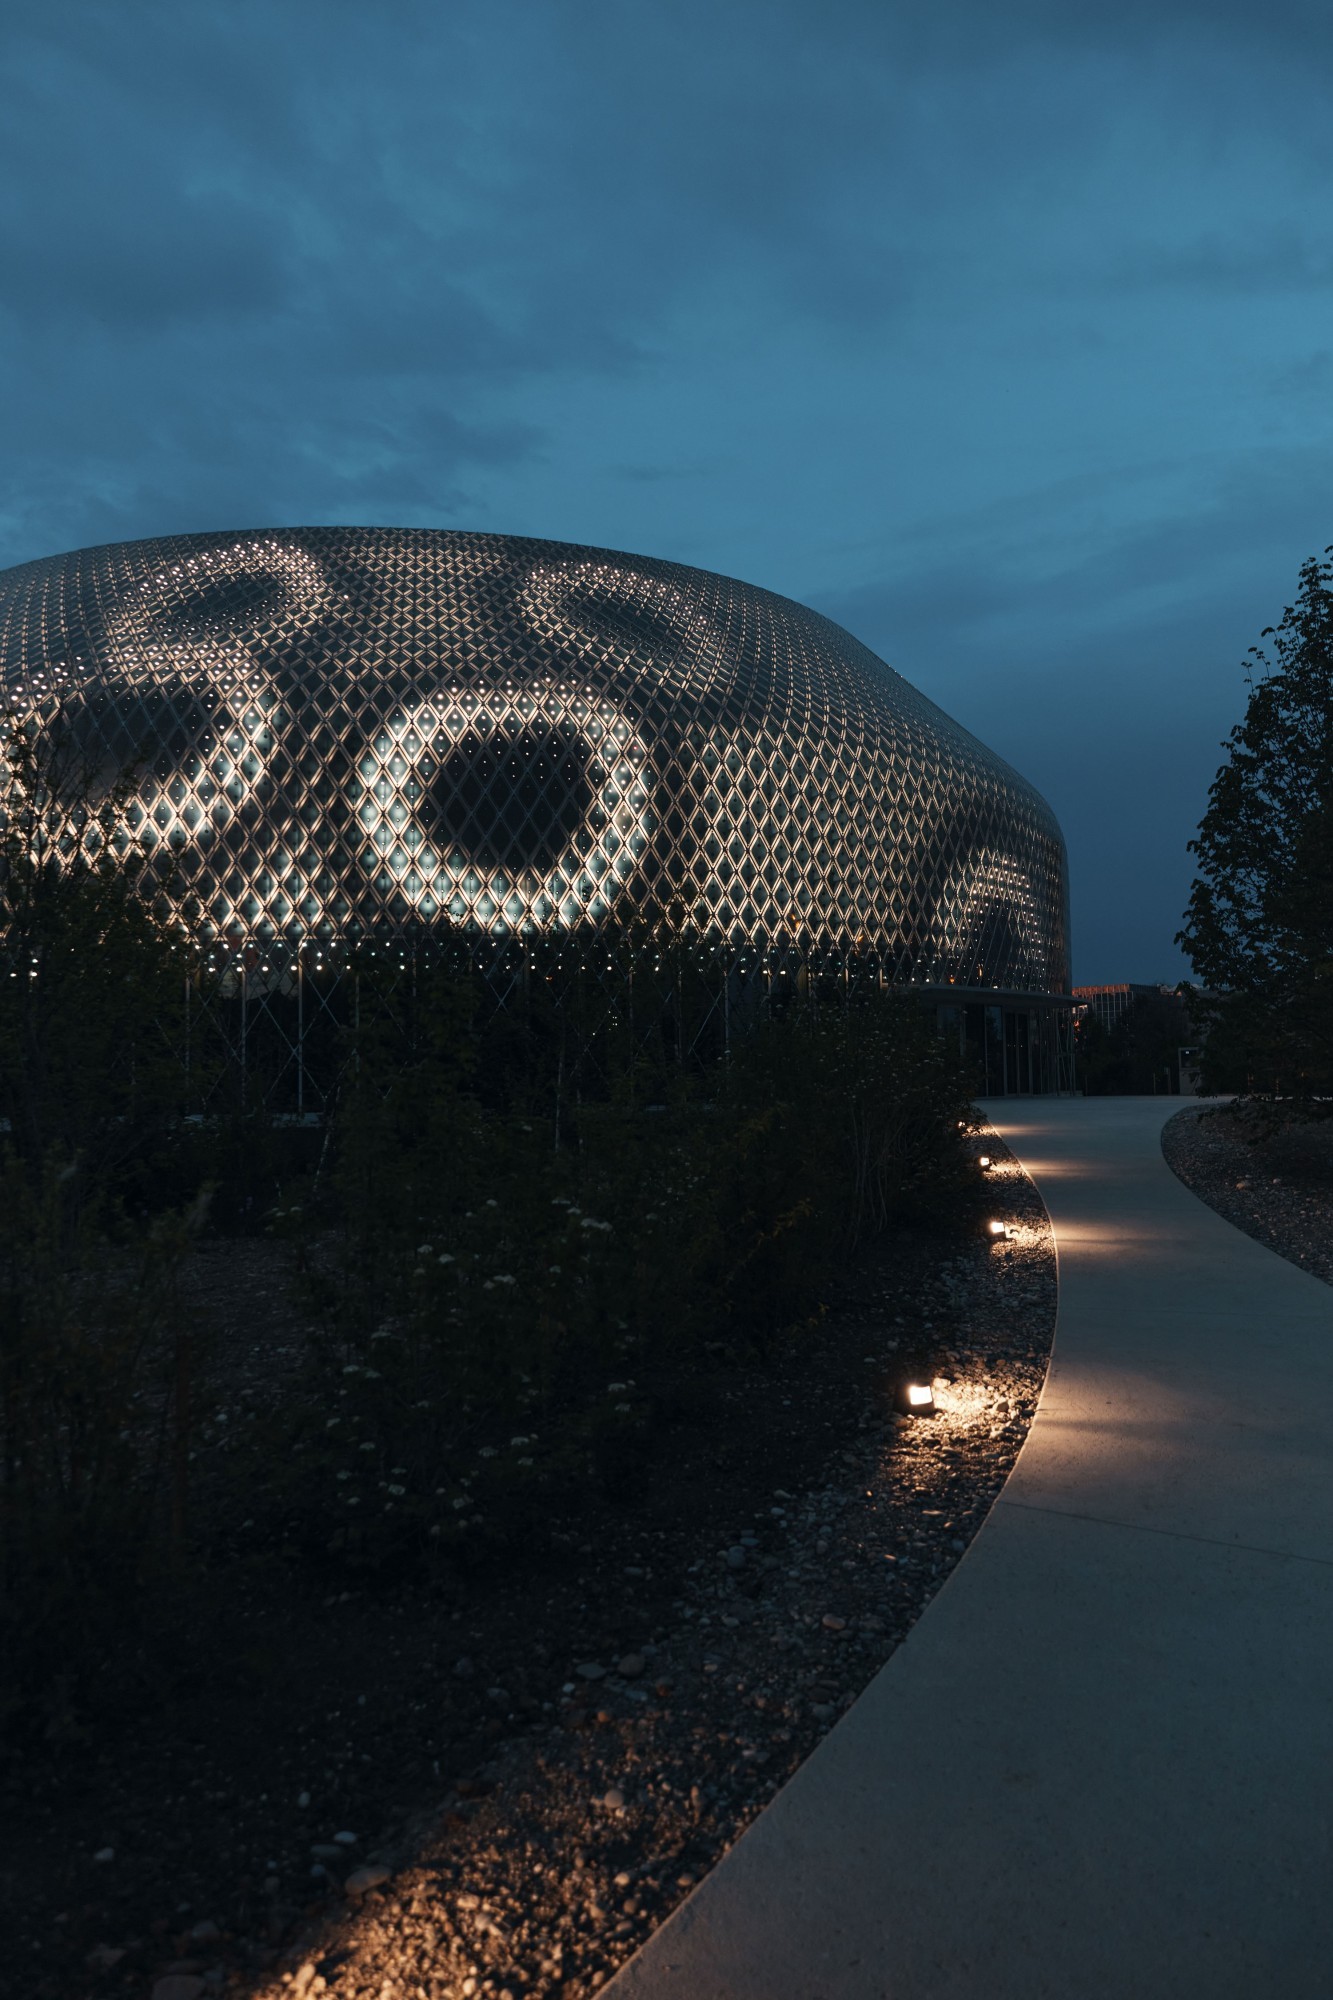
346 735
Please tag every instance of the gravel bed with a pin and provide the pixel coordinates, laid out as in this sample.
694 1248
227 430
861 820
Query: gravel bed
544 1868
1273 1182
374 1788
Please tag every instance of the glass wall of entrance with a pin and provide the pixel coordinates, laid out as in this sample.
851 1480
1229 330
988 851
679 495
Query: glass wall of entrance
1022 1044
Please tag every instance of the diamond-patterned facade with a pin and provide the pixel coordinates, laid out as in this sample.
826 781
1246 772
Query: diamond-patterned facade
352 733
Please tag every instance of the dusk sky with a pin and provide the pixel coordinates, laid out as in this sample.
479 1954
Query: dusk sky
1000 334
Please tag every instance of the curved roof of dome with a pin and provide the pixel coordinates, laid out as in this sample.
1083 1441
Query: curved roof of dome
351 731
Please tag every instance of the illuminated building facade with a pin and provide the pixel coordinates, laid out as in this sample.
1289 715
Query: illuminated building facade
348 735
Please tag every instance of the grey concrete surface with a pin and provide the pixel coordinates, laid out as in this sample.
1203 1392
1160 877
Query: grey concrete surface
1101 1765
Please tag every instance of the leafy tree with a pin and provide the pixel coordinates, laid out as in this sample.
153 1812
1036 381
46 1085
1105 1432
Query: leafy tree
94 1348
1259 926
92 975
1141 1053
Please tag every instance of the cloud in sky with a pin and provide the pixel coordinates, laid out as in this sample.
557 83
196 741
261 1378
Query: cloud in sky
1000 334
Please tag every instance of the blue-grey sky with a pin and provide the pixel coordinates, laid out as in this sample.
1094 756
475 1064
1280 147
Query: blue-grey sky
1000 334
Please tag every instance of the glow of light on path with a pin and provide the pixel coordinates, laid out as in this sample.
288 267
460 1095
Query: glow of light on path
1059 1170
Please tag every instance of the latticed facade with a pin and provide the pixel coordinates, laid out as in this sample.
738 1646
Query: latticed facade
357 736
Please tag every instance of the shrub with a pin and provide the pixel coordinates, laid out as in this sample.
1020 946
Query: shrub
520 1233
498 1310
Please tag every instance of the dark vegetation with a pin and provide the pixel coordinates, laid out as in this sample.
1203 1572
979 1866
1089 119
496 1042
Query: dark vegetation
504 1282
1141 1053
1259 927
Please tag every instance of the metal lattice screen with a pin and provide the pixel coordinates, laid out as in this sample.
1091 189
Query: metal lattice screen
348 734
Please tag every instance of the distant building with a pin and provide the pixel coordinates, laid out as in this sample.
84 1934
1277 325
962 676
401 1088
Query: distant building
1135 1038
1106 1004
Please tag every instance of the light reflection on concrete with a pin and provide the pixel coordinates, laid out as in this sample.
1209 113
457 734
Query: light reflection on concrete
1100 1765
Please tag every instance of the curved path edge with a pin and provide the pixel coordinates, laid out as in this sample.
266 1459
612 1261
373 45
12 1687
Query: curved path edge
1102 1762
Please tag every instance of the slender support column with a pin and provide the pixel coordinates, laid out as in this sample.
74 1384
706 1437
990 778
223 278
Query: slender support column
300 1032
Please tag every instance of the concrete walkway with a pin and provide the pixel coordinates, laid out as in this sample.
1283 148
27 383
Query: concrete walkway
1102 1763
